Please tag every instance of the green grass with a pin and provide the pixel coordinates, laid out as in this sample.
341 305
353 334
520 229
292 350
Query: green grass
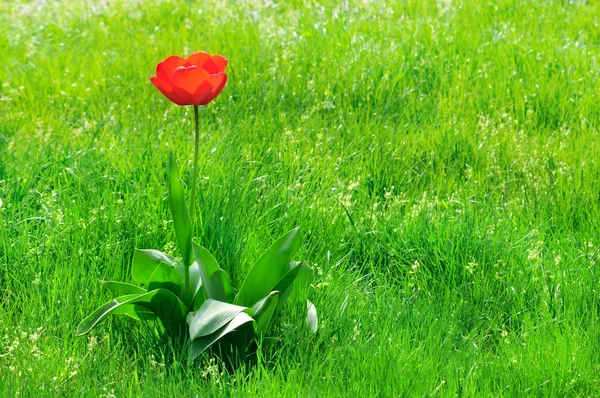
441 158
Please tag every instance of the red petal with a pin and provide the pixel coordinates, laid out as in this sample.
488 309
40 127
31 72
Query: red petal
217 82
211 67
166 89
198 58
161 84
188 78
202 92
220 61
165 68
186 98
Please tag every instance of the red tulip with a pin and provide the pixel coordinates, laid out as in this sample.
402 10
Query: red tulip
196 80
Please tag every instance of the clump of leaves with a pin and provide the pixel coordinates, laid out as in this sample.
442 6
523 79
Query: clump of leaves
194 294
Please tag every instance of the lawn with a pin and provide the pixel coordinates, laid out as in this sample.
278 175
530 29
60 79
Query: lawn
442 158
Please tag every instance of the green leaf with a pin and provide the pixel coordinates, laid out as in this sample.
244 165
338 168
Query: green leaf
165 276
221 279
145 262
200 344
197 293
285 284
95 317
136 311
215 281
296 279
312 321
263 312
211 316
163 303
181 217
199 299
298 290
123 288
169 309
269 269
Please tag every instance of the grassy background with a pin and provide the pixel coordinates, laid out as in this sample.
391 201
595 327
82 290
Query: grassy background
441 158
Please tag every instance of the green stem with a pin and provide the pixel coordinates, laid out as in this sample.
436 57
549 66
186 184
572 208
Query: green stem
195 171
193 198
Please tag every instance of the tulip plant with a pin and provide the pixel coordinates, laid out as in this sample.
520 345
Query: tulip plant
192 293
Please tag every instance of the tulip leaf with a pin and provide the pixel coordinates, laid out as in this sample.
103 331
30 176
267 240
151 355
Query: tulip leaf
221 279
269 269
212 316
199 299
163 303
312 321
123 288
145 263
298 289
215 281
200 344
165 276
296 278
181 217
197 293
136 311
263 312
92 320
169 309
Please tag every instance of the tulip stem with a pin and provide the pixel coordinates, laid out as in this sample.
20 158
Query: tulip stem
186 282
195 171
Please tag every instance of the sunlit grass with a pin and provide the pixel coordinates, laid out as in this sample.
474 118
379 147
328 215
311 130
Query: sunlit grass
441 158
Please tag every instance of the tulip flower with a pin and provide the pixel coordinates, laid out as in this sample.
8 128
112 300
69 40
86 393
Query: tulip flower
195 80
